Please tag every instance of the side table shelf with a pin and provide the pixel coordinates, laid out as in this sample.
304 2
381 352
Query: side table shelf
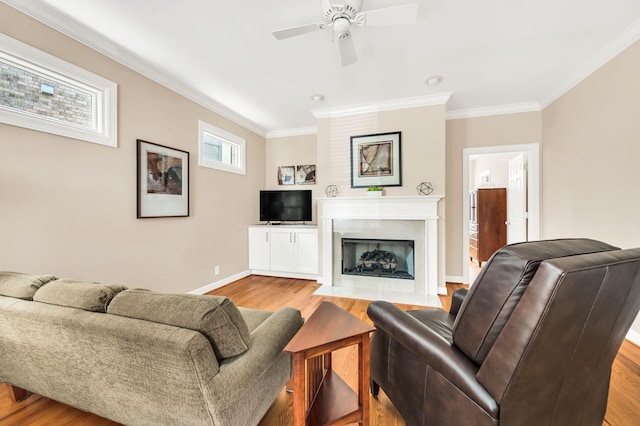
320 396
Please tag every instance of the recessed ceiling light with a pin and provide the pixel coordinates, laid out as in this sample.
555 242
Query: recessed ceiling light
433 80
317 98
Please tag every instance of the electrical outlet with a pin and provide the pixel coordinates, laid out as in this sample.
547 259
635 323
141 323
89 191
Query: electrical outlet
216 270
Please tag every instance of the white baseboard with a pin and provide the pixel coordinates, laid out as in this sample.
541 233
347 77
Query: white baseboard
280 274
453 279
207 288
442 290
633 337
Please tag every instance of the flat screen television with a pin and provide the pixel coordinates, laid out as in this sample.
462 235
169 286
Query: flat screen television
285 206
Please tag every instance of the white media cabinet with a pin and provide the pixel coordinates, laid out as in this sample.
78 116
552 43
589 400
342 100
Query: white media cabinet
284 250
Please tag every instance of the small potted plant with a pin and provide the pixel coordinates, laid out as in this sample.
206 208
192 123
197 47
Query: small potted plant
374 191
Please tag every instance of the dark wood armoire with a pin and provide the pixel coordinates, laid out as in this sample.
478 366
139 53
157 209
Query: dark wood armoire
487 222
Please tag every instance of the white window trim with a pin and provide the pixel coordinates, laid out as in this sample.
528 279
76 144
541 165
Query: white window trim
224 136
42 63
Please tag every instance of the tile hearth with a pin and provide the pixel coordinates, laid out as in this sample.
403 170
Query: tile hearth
377 292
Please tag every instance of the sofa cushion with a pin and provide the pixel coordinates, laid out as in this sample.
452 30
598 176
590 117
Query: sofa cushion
216 317
78 294
254 317
22 286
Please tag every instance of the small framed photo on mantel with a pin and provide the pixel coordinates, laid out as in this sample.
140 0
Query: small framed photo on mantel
163 181
375 160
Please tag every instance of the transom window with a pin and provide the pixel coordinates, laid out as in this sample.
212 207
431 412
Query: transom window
220 149
41 92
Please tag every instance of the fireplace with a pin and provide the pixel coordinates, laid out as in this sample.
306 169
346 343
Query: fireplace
378 258
382 218
367 252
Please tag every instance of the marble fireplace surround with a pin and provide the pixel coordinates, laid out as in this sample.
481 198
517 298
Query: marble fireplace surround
336 212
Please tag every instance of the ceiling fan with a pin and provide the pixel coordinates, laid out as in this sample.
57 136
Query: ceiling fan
341 17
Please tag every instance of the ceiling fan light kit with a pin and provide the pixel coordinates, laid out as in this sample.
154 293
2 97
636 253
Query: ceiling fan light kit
341 27
342 16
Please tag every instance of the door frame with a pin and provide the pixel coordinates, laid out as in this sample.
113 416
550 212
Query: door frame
533 192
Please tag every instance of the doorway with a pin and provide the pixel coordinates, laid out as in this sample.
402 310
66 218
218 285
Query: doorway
525 195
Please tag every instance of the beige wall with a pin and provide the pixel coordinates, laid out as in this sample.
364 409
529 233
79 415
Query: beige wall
591 146
510 129
423 149
423 152
589 153
498 166
590 157
69 207
292 151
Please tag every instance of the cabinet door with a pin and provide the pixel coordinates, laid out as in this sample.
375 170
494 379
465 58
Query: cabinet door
282 249
259 248
306 251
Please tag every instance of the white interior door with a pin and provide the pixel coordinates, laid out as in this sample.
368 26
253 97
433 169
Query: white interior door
517 199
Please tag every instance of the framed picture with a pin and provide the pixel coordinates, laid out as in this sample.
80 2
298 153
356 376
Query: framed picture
485 178
306 175
286 175
375 160
163 181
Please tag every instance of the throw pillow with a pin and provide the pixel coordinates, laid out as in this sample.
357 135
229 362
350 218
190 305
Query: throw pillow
92 297
22 286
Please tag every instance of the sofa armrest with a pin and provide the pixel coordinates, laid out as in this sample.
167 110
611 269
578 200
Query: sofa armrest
267 346
434 350
456 300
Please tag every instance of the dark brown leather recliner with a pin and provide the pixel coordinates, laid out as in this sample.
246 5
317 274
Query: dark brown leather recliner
532 343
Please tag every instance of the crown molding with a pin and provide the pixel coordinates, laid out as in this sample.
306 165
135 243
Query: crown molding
300 131
494 110
402 103
78 31
612 49
83 34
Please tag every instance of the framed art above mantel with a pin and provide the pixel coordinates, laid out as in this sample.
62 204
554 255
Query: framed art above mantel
376 160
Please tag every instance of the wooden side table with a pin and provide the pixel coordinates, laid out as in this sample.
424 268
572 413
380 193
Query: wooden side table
320 396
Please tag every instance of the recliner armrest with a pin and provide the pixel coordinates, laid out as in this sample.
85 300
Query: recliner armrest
421 340
428 345
456 300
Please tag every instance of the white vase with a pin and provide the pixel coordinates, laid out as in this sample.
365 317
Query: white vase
374 193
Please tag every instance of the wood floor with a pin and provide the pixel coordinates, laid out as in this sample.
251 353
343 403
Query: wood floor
271 293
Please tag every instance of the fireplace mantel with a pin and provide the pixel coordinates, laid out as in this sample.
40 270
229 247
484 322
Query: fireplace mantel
421 208
407 208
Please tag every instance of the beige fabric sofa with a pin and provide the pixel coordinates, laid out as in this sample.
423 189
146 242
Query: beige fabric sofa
139 357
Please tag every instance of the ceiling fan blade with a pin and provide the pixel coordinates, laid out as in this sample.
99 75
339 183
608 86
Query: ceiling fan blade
300 29
405 14
347 51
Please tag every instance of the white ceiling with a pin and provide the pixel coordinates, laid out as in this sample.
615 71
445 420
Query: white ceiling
494 55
